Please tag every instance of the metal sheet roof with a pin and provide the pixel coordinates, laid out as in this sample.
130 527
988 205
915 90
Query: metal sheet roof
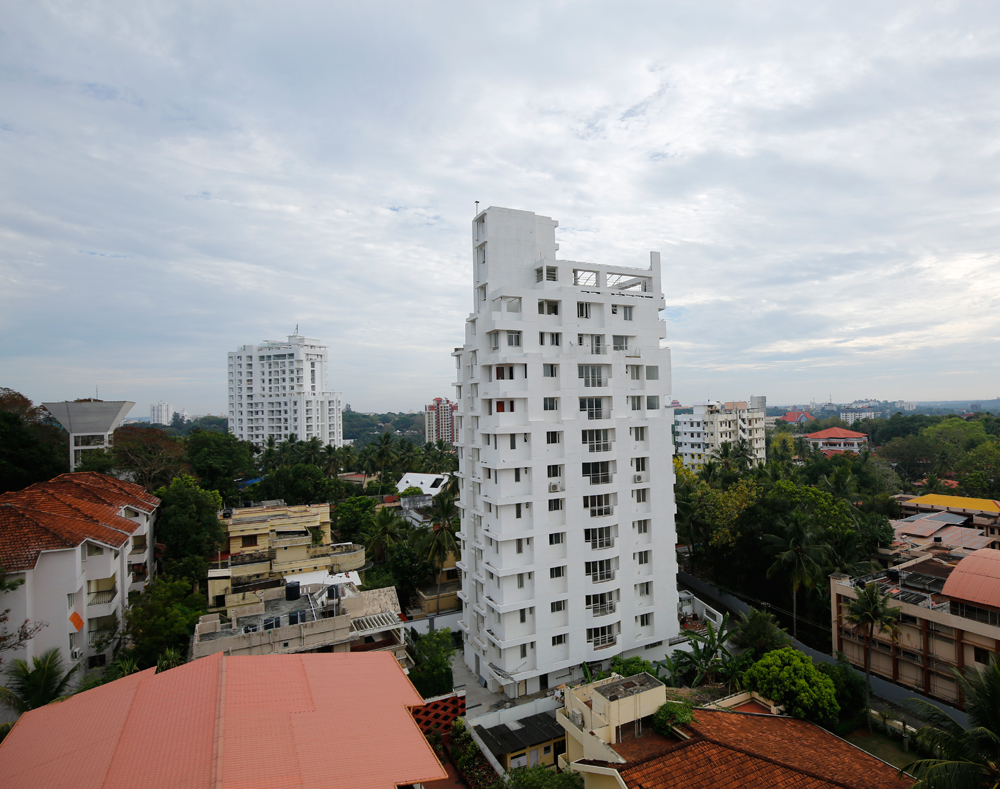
976 578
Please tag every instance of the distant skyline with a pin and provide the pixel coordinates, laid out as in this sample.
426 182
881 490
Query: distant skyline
180 178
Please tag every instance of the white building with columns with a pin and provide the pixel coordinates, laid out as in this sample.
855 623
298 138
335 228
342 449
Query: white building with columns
564 441
279 389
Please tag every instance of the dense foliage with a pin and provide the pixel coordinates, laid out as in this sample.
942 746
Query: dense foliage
163 618
789 678
431 652
188 522
32 446
670 714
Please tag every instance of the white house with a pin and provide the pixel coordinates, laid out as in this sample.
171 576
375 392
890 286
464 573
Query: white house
81 543
279 389
563 436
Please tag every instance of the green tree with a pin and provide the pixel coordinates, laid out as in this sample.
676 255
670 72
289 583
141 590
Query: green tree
384 455
440 541
670 714
353 516
789 678
431 652
708 654
28 687
189 520
299 484
30 452
146 455
868 616
962 757
162 618
758 631
409 569
848 686
218 459
799 556
956 434
979 471
385 531
539 776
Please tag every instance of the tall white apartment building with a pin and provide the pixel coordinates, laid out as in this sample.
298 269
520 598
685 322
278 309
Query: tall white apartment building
279 389
701 433
439 421
161 413
563 435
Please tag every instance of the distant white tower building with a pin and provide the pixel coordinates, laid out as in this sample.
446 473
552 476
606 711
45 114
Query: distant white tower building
701 434
563 435
279 389
161 413
439 421
91 424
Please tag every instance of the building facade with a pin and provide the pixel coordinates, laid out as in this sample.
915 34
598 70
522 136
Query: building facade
439 421
702 433
81 543
90 423
279 389
161 413
563 436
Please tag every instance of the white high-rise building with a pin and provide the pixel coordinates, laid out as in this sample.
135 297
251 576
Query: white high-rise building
279 389
563 435
161 413
701 434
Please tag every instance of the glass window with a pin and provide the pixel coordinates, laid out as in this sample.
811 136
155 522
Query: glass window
514 339
552 437
583 309
557 606
550 404
555 505
557 572
550 370
652 373
652 402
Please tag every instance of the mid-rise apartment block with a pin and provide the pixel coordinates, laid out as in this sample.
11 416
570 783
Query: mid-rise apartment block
279 389
702 433
563 436
439 421
81 543
90 423
161 413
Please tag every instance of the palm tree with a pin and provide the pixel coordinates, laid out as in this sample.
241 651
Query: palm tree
408 456
711 473
869 615
799 555
34 686
841 484
441 540
330 462
312 452
387 530
801 447
758 631
269 457
743 454
726 455
348 458
963 757
384 454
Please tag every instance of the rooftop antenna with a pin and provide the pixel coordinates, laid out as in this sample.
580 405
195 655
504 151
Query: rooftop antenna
296 328
477 208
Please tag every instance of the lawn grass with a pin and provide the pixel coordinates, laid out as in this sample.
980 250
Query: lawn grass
881 746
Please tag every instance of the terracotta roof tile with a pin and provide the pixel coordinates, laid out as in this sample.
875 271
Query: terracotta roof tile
836 432
302 721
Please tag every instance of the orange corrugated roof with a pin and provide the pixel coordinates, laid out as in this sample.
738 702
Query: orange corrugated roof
976 578
835 432
732 749
956 502
337 721
65 511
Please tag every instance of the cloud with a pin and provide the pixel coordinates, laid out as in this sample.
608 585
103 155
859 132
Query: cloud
182 178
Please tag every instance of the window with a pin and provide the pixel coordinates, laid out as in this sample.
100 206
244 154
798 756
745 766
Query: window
641 495
494 339
554 471
597 440
548 307
555 505
639 433
517 475
557 606
598 505
591 374
583 309
601 636
489 473
557 572
551 274
514 339
501 373
558 538
598 473
981 655
641 527
626 313
524 650
500 406
619 342
523 615
520 580
645 589
556 641
652 402
642 557
249 541
70 601
513 441
550 370
555 338
517 514
634 371
635 402
639 464
599 538
652 373
644 620
552 437
550 404
599 570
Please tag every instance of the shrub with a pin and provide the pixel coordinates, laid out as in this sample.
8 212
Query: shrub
789 678
671 714
848 686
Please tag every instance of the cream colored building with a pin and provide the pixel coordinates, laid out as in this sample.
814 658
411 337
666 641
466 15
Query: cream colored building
712 424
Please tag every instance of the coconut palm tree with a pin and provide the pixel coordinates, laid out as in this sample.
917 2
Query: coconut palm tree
841 484
386 531
441 540
311 452
802 447
743 454
963 757
868 616
758 631
384 454
30 687
711 473
330 462
269 457
348 458
799 555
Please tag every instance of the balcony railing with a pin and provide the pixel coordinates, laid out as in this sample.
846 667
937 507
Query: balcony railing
601 543
600 512
104 635
594 380
599 446
599 479
603 642
603 610
602 576
102 598
598 413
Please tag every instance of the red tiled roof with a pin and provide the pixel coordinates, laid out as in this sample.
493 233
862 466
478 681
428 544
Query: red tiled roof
63 512
976 578
731 749
836 432
337 721
796 416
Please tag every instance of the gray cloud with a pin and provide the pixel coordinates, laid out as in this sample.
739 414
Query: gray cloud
180 178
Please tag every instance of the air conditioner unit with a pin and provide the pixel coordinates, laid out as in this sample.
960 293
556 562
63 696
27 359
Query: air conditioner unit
76 654
553 487
637 478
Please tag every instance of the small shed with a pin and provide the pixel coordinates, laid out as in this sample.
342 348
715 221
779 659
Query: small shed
536 739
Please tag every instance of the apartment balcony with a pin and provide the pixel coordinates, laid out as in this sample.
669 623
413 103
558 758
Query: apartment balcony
598 413
602 544
102 598
602 577
599 446
603 610
600 479
603 642
601 512
96 637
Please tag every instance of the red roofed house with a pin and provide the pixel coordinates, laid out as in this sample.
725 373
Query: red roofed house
835 440
80 542
797 417
719 749
336 721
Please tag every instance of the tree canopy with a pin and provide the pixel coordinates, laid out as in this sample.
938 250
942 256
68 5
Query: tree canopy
789 678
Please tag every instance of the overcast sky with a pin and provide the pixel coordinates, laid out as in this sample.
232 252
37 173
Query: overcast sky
177 179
